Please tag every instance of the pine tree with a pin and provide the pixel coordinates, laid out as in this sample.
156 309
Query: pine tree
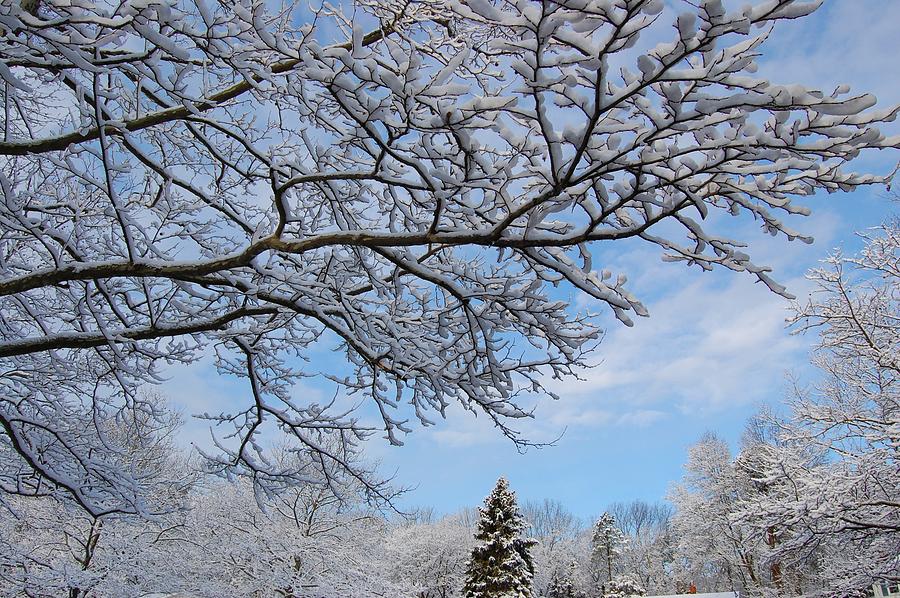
606 543
501 566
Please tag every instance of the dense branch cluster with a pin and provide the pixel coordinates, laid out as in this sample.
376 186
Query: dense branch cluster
410 180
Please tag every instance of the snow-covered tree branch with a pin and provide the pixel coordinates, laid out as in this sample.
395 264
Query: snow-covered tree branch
408 179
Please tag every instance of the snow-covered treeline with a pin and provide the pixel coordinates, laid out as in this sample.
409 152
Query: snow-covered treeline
219 543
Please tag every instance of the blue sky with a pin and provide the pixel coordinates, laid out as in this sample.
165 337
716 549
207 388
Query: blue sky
712 351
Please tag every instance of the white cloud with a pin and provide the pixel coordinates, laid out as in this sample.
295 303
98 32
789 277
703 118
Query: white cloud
849 41
641 418
708 346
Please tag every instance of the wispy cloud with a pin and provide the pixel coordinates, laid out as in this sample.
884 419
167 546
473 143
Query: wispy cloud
641 418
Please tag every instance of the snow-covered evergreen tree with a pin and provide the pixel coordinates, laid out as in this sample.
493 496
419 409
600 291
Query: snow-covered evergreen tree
607 541
501 566
624 586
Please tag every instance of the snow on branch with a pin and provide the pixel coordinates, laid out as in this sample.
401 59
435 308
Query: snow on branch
411 179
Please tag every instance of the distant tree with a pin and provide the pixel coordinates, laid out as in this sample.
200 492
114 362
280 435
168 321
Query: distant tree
550 522
711 547
501 565
430 556
649 554
607 541
225 546
50 545
640 518
726 540
561 542
830 469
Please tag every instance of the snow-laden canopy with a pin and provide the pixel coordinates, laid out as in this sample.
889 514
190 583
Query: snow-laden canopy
408 181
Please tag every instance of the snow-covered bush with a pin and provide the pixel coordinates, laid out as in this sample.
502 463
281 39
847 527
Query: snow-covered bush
624 586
